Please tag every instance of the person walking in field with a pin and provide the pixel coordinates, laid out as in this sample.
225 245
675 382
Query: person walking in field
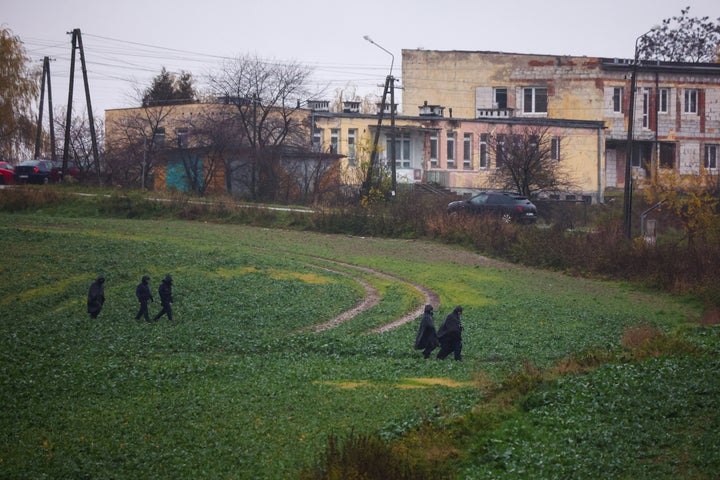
426 339
96 297
450 335
142 292
166 298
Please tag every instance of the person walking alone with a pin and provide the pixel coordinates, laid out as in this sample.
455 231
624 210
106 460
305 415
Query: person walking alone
450 335
427 339
166 299
142 292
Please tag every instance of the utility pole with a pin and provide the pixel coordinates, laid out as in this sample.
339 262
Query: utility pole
38 138
627 193
367 184
77 43
389 86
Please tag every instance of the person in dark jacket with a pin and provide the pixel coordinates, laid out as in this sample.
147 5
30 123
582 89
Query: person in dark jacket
96 297
142 292
427 339
166 299
450 335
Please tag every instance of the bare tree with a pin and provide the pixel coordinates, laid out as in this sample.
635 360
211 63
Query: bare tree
528 160
683 39
138 137
80 145
267 98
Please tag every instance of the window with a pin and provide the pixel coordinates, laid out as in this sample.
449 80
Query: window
352 146
711 156
402 150
483 153
500 152
535 100
555 148
663 99
182 137
433 150
158 139
317 138
500 97
334 140
667 155
467 151
645 107
691 100
451 150
617 99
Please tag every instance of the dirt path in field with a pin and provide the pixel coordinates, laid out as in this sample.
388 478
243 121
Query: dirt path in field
372 298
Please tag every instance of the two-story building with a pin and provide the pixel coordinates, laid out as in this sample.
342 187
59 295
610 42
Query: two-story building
455 152
676 108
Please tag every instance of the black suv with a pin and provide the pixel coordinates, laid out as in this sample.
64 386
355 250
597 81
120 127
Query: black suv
510 207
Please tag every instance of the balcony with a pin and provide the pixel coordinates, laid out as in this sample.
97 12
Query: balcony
495 112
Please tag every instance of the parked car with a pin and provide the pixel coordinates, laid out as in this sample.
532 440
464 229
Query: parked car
34 171
6 173
56 173
510 207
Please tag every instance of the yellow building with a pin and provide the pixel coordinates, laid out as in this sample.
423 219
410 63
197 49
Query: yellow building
457 153
676 108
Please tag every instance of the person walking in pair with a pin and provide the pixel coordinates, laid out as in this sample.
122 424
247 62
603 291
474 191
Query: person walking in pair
142 292
450 335
166 298
426 339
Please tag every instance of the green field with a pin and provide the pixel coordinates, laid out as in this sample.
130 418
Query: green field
243 386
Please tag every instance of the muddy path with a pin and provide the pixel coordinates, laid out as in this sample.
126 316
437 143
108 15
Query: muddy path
372 298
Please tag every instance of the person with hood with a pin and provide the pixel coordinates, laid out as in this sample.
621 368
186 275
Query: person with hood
166 299
450 335
142 292
96 297
426 339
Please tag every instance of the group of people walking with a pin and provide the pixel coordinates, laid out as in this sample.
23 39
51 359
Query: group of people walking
448 337
96 298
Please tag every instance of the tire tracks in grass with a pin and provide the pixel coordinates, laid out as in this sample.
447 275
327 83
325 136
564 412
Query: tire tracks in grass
372 298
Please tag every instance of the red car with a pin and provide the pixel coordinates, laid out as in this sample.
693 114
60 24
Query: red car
6 173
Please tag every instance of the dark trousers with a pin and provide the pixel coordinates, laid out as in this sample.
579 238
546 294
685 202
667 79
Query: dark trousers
166 308
143 312
428 350
450 346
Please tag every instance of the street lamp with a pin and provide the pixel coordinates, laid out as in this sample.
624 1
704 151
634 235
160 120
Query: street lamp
389 84
627 195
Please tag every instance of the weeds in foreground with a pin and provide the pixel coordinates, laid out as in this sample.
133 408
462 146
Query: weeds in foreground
432 452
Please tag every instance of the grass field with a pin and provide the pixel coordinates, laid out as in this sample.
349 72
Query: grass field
242 386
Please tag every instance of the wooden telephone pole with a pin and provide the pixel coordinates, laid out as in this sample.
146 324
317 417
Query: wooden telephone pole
77 43
38 138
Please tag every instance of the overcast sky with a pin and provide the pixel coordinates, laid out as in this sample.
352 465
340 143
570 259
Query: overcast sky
127 42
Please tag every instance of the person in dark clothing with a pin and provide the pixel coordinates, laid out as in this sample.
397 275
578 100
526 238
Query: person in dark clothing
427 339
96 297
450 335
166 299
142 292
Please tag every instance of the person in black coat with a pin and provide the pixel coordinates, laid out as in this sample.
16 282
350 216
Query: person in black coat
166 299
142 292
426 339
96 297
450 335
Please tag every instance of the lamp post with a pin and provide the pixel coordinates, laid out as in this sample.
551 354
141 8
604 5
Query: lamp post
627 195
389 82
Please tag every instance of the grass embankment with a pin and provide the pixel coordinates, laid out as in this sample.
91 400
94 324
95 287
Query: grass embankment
237 388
